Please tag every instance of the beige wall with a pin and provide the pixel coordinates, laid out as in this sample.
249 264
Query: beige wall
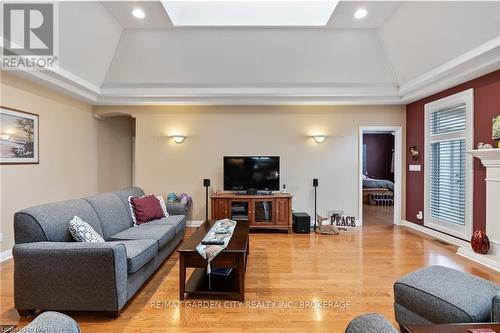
163 166
75 152
115 153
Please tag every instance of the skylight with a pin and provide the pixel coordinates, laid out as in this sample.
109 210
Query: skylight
261 13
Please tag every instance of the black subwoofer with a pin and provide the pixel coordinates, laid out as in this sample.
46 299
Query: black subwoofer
301 223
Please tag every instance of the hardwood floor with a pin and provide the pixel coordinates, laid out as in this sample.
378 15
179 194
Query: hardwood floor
354 271
377 215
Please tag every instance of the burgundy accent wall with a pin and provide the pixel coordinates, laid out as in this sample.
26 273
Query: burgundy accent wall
486 106
379 148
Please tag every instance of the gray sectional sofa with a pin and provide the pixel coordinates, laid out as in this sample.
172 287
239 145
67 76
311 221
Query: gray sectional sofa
53 272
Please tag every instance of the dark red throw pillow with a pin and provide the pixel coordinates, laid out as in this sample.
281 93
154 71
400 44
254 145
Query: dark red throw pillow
146 209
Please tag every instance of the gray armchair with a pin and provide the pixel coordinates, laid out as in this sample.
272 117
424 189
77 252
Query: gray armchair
52 322
370 323
176 208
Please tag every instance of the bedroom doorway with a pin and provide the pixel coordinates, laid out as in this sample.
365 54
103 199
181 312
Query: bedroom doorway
380 175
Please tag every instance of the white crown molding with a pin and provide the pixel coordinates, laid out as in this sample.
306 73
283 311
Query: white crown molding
255 100
62 81
376 93
479 61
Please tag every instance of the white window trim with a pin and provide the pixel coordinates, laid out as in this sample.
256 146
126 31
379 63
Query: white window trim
466 97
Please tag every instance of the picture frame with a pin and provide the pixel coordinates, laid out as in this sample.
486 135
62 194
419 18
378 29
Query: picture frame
19 137
496 128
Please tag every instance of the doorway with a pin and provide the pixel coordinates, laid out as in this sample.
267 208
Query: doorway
380 175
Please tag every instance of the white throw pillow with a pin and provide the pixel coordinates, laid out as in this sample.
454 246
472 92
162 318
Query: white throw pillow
160 199
163 205
83 232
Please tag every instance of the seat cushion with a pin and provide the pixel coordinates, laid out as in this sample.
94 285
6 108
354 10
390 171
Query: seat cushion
139 252
163 234
176 221
445 295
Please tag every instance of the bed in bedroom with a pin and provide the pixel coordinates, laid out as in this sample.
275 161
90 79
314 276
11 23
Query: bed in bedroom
373 186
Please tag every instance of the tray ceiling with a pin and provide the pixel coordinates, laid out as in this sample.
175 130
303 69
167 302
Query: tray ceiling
399 52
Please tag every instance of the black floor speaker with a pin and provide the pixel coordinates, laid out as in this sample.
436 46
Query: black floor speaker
301 223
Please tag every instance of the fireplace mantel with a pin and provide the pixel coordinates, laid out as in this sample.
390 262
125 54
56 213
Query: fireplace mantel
490 158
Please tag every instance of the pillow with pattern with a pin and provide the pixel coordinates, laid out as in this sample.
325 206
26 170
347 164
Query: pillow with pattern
83 232
132 211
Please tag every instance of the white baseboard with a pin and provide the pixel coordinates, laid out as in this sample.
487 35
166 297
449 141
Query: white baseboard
434 233
194 223
487 260
4 255
464 248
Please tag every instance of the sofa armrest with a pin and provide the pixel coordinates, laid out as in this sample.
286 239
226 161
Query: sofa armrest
177 208
70 276
495 308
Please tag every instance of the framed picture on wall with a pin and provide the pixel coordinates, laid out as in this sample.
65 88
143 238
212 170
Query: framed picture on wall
18 137
496 128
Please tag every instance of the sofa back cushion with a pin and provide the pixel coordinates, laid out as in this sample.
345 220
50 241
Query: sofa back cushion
112 214
124 194
50 222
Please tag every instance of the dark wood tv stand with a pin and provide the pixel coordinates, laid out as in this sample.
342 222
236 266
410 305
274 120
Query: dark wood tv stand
262 211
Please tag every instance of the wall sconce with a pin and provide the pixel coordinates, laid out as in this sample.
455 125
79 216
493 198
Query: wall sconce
319 138
5 137
178 138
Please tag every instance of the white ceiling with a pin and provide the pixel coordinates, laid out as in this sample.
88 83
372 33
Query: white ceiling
400 52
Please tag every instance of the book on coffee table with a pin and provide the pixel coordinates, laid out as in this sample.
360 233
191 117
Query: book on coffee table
221 271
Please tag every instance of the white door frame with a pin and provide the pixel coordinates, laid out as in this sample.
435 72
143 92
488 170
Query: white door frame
398 168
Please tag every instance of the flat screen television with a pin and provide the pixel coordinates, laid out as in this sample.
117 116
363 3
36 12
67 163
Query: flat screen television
260 173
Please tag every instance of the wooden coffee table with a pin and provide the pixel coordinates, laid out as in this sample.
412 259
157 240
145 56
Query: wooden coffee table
450 328
233 256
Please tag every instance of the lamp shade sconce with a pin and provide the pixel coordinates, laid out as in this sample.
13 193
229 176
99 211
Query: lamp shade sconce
319 138
178 138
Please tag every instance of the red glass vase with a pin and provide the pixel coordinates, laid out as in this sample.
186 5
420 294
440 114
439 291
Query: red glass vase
480 242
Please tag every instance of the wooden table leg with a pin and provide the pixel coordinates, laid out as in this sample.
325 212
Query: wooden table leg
182 277
241 276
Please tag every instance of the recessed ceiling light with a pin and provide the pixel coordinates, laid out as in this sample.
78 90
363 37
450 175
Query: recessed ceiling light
360 13
138 13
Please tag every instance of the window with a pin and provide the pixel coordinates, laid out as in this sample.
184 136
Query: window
188 13
448 166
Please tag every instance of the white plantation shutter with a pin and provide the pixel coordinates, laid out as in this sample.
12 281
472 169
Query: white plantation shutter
448 137
447 183
448 120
